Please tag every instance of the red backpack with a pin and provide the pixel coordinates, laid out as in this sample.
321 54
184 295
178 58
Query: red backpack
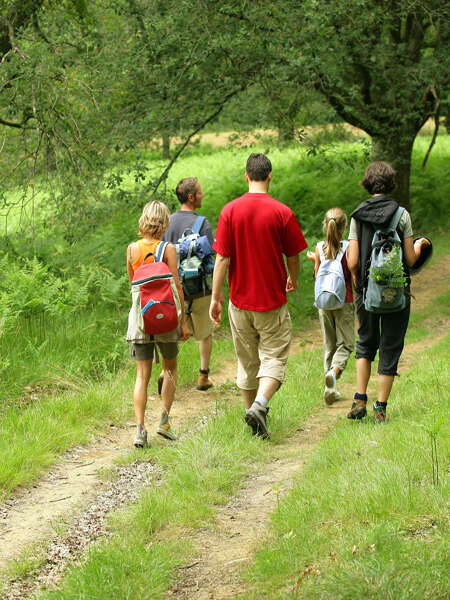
159 301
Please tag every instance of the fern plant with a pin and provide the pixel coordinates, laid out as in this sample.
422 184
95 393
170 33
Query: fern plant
390 273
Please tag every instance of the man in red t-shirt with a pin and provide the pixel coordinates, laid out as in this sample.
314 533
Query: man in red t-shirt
253 235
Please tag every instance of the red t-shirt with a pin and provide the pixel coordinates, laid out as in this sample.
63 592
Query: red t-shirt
348 280
255 231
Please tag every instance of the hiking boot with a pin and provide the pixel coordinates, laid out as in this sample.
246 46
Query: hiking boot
255 417
379 412
160 383
204 382
358 410
255 427
140 441
164 428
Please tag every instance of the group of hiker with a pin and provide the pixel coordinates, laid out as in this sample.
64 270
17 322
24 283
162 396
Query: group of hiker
177 291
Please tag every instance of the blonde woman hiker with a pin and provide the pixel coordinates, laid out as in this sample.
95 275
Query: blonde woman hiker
334 300
162 308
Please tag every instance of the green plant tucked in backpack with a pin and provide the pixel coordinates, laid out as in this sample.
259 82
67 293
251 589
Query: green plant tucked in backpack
385 290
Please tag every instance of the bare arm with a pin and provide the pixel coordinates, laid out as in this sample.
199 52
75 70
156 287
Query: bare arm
316 262
217 298
353 259
130 260
293 265
413 250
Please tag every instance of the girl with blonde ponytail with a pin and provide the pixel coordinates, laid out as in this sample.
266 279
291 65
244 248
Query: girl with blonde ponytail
337 324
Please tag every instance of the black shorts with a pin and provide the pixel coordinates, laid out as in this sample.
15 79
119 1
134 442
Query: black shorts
385 333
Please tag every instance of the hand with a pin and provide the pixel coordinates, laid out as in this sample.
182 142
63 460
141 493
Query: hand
418 244
215 311
291 285
311 256
185 334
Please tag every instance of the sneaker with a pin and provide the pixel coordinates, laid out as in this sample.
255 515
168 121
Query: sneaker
358 410
255 417
166 431
140 441
330 379
379 413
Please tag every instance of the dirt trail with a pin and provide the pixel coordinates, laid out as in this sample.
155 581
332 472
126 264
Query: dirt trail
32 514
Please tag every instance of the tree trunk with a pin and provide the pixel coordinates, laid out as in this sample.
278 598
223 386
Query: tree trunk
396 151
165 145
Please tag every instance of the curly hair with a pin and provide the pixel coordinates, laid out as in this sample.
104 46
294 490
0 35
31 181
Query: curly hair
379 178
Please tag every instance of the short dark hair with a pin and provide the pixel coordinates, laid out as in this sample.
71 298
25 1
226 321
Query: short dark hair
185 187
379 178
258 167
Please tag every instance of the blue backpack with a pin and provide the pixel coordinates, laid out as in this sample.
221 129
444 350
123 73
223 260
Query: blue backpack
330 288
195 262
385 289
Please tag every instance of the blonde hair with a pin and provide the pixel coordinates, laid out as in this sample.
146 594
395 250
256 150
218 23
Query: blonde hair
154 220
334 225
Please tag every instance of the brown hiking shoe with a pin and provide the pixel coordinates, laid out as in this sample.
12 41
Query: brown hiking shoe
358 410
379 413
204 382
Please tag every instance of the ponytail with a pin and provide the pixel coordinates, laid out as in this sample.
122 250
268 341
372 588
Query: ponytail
334 226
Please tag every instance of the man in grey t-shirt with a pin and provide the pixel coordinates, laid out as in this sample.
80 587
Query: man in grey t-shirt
189 193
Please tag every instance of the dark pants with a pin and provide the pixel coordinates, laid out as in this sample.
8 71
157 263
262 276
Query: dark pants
385 333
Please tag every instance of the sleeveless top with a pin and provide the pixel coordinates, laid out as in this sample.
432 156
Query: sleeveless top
145 248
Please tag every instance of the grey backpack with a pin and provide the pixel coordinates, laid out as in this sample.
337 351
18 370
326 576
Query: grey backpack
330 288
385 289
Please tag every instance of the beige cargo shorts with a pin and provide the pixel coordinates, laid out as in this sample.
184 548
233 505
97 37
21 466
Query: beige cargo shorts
199 323
261 341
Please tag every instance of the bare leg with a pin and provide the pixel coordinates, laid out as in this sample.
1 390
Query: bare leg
143 372
267 387
170 383
384 387
363 369
249 397
205 347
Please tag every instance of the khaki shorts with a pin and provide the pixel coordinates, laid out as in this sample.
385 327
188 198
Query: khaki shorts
261 341
199 323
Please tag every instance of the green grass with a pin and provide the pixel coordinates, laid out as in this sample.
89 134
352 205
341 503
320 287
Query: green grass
199 473
366 520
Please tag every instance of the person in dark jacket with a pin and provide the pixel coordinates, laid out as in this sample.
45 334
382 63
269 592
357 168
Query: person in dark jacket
384 333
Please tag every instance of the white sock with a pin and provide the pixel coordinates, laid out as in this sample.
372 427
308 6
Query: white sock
262 400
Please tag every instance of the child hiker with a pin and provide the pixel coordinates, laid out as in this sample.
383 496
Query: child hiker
334 300
152 226
379 330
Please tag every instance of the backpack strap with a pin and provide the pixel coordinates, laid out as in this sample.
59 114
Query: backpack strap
198 224
396 218
160 251
339 255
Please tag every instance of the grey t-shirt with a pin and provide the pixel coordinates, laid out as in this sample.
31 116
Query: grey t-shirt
404 226
182 220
